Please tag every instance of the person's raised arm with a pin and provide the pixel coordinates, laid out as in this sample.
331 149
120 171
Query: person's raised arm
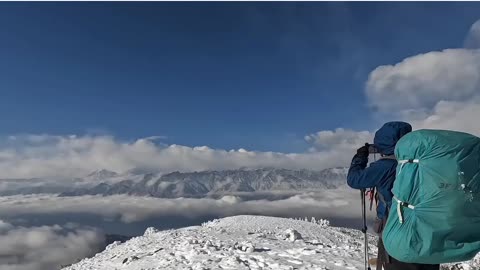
359 176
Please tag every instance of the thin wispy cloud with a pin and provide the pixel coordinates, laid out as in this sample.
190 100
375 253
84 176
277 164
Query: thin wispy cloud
473 38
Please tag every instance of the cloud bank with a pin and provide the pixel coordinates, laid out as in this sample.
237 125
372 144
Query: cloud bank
339 203
45 247
69 156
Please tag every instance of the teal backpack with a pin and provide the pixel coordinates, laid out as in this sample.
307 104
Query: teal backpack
435 212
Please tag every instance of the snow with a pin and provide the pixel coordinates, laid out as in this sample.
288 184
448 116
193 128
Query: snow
240 242
244 242
292 235
473 264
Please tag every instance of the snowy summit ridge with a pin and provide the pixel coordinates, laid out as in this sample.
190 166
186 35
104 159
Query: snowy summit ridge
240 242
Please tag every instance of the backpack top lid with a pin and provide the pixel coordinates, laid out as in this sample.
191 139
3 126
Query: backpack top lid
435 214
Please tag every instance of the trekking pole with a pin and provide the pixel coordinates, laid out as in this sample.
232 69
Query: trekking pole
364 229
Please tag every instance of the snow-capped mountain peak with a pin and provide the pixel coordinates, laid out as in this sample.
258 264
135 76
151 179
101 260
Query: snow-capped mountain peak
213 183
100 175
182 184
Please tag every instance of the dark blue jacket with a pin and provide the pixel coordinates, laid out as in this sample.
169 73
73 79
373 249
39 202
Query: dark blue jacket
380 174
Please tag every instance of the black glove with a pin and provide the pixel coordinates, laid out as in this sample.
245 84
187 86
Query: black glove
363 152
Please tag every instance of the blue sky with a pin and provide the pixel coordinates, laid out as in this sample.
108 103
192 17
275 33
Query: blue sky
227 75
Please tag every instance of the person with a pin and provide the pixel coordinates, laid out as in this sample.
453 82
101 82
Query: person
381 176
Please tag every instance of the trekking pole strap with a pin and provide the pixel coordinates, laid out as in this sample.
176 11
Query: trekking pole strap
400 205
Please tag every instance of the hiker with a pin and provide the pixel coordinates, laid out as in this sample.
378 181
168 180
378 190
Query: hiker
381 175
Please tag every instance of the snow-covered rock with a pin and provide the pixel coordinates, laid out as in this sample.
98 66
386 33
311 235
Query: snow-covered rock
473 264
150 230
113 245
292 235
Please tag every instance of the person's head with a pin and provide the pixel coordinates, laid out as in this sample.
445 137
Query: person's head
388 135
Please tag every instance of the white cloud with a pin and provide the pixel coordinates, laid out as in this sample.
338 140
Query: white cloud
473 38
339 140
68 156
439 90
4 226
45 247
155 138
421 81
454 115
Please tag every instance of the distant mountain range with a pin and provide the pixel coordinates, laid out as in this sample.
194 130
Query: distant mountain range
191 184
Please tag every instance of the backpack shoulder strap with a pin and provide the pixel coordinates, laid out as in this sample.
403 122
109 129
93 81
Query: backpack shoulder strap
389 157
380 196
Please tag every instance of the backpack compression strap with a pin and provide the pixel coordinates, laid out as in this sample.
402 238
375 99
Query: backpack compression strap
401 204
405 161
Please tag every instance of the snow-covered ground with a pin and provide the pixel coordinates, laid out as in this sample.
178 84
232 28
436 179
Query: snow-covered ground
240 242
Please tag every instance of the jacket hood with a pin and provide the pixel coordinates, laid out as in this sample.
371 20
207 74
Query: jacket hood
389 134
